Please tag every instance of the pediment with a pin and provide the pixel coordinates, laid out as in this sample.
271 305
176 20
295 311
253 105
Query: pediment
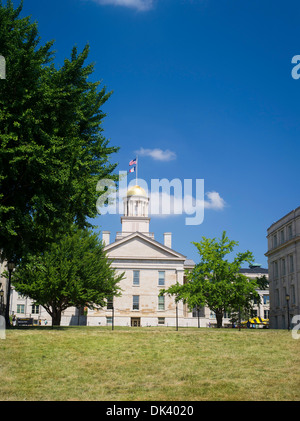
138 246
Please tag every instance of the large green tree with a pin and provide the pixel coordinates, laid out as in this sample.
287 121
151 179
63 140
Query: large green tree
52 148
215 282
74 271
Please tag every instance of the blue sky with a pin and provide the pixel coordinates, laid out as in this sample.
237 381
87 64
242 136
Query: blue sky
204 87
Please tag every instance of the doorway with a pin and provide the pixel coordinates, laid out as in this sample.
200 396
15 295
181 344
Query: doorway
135 322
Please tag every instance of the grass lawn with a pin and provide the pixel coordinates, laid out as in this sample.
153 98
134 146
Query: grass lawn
149 364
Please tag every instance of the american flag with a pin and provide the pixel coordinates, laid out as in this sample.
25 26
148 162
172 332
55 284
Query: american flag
132 162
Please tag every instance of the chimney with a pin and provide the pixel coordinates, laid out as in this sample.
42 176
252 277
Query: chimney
106 237
168 239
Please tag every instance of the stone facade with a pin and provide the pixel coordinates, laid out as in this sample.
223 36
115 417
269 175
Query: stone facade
149 266
284 269
261 309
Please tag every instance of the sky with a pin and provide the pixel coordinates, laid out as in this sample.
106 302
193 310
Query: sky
202 90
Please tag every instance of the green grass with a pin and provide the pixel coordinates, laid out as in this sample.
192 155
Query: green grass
86 363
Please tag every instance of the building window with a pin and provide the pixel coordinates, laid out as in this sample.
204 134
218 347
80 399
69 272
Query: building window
110 303
277 297
283 268
35 309
195 312
161 278
136 302
284 295
290 231
281 237
136 277
291 263
274 240
293 297
21 308
275 264
266 314
161 302
109 320
266 299
161 320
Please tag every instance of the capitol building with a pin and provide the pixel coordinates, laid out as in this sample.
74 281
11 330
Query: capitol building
149 266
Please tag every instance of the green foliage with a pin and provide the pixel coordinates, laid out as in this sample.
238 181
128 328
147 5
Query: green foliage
74 271
52 150
215 282
262 282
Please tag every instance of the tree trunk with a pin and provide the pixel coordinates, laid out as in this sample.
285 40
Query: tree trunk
219 317
56 317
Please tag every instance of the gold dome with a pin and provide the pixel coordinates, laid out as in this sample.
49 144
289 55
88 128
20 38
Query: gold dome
136 191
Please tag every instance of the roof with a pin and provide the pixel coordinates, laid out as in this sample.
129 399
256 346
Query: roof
189 263
294 211
136 191
137 234
255 269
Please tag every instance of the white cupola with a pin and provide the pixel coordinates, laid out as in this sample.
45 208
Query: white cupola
136 210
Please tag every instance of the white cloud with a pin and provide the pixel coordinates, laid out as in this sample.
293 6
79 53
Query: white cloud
214 201
157 154
141 5
166 204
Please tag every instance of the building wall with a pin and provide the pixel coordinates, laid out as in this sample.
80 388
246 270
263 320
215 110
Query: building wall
284 268
148 289
24 307
261 309
149 312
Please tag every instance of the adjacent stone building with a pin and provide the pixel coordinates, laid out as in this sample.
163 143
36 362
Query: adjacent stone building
284 269
262 308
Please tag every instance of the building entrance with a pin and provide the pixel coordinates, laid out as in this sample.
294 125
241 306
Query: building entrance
135 321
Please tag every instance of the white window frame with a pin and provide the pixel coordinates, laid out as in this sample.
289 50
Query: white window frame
35 309
21 307
161 280
135 302
161 303
136 280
